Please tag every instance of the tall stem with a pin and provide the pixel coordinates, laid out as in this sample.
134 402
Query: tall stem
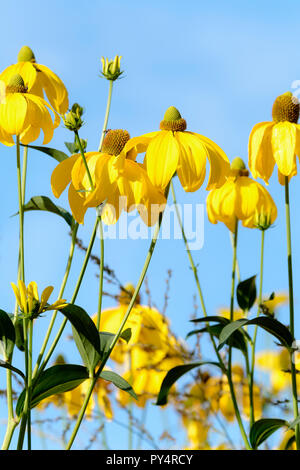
252 413
229 368
101 273
291 305
77 139
106 114
106 356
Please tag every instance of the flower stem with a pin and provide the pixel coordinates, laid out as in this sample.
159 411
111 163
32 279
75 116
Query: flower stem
252 413
101 273
61 291
77 139
106 356
106 114
21 213
291 305
229 368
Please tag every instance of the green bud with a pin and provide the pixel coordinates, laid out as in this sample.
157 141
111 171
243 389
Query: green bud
26 55
73 120
111 69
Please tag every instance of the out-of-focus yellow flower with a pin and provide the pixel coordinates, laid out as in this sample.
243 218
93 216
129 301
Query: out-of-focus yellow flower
276 141
38 79
122 183
111 69
277 364
73 399
29 302
24 114
173 149
240 198
270 306
197 431
237 314
288 435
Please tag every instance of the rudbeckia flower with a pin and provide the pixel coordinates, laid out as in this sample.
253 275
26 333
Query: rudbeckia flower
38 79
24 115
29 302
241 198
277 141
122 183
173 149
277 364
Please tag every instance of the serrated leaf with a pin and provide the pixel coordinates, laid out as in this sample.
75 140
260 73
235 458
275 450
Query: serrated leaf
58 155
44 203
246 293
57 379
264 428
175 374
86 335
7 335
273 326
118 381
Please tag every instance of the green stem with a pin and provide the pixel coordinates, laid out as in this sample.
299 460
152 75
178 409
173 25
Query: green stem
60 294
21 213
29 381
106 356
106 114
195 272
291 305
229 368
252 370
76 290
101 273
77 139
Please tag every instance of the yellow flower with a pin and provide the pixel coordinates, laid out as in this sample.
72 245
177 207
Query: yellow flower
173 149
276 141
239 198
277 364
38 79
122 183
269 306
197 431
29 302
24 115
237 314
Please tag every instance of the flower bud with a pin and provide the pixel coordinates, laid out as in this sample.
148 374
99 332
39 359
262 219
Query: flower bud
73 120
111 69
26 55
173 121
263 219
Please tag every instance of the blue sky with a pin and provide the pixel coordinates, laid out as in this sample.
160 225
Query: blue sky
221 64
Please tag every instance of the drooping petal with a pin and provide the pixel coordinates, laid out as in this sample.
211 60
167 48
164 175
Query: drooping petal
76 204
284 146
161 159
6 138
219 163
61 175
14 114
261 160
192 161
25 69
54 88
138 145
17 294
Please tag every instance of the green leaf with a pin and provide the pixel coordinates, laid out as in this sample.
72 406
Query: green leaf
174 374
73 147
58 155
119 382
273 326
7 335
44 203
294 423
263 428
7 365
215 318
57 379
105 341
19 331
237 339
126 335
246 293
86 335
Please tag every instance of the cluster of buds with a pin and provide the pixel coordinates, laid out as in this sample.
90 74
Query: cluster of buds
73 120
111 68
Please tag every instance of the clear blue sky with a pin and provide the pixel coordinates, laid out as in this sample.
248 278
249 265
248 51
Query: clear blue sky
221 64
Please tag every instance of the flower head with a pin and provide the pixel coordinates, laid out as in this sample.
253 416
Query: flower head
122 183
24 114
111 69
38 79
277 141
173 149
240 198
29 302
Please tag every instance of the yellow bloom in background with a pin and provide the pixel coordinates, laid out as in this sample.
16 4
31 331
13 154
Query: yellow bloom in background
277 364
38 79
237 314
197 431
288 439
29 302
173 149
273 303
277 141
24 115
240 198
122 183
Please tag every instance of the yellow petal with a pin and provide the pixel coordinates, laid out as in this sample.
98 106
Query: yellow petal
192 161
45 297
284 146
137 145
162 158
76 204
54 88
261 160
61 176
17 294
13 114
